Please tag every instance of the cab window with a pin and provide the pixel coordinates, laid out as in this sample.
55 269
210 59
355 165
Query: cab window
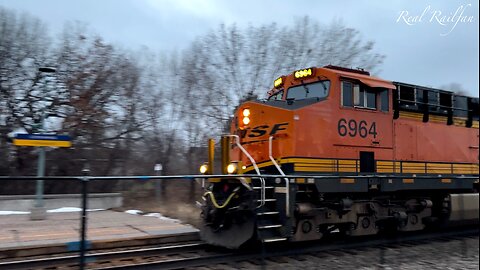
277 96
318 89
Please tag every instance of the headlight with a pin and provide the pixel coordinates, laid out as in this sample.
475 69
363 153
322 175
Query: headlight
246 116
203 168
231 168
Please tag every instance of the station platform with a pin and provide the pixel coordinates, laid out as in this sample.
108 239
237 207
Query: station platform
60 232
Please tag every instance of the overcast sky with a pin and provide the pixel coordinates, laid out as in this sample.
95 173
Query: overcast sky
434 49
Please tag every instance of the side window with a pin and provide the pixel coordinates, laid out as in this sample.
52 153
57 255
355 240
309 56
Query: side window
384 101
357 96
347 94
362 96
370 100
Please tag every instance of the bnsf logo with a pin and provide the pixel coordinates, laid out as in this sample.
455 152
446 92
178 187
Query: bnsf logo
262 130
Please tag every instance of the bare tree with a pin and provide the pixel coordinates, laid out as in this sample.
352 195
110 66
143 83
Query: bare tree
23 48
104 99
229 63
163 137
127 111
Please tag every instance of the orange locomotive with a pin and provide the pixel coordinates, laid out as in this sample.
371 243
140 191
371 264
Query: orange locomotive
352 153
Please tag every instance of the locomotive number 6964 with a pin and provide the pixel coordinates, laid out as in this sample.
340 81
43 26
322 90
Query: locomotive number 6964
352 128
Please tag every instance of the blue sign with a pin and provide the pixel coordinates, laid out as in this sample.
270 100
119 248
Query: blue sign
42 140
52 137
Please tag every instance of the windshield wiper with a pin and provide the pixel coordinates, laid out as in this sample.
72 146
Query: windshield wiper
307 91
323 84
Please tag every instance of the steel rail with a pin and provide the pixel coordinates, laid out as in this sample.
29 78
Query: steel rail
94 256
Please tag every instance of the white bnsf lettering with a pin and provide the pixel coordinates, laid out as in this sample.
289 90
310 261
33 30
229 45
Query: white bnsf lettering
262 130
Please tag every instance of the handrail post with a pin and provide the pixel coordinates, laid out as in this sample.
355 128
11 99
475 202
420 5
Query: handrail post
245 152
237 143
287 182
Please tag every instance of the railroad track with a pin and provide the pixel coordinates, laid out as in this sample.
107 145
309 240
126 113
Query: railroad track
197 254
105 259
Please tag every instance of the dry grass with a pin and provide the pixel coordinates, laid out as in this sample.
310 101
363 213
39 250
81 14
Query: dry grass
177 201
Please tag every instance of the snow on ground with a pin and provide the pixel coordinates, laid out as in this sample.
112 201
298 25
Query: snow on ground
4 213
157 215
58 210
160 216
134 212
76 209
70 209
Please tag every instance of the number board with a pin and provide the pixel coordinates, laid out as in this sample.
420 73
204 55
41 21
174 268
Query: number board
354 128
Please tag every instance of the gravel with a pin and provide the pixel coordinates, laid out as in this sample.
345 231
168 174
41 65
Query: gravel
454 253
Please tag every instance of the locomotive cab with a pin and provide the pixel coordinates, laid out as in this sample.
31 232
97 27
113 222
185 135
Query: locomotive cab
319 113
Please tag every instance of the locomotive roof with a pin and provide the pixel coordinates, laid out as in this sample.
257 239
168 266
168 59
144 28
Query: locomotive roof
362 76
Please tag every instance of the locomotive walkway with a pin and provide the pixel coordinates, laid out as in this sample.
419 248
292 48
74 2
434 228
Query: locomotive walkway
20 236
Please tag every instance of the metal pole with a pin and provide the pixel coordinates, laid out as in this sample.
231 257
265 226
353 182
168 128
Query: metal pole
41 166
158 182
162 184
83 230
158 188
40 173
38 212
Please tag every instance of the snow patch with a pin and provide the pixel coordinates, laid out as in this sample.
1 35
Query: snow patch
70 209
160 216
134 212
4 213
156 215
58 210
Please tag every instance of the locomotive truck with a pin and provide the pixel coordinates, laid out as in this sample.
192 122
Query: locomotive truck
334 149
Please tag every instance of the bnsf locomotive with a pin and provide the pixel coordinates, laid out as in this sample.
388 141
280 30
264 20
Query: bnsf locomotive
337 150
